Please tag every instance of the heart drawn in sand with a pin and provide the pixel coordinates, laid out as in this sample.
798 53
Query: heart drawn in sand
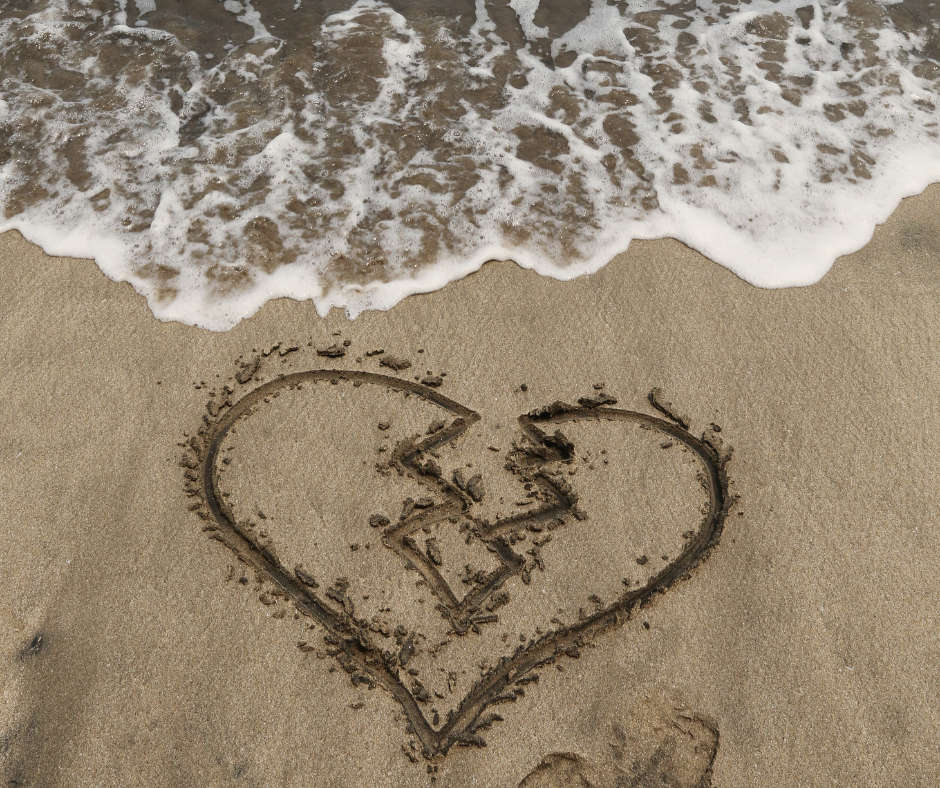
534 459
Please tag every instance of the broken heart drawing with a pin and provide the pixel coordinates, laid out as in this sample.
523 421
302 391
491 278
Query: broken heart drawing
538 459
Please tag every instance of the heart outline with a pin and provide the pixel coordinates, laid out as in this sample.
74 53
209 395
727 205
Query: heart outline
504 682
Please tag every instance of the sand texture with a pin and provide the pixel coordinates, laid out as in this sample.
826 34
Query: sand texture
651 527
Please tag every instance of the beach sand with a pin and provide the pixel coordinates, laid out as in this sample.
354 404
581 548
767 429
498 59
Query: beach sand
801 650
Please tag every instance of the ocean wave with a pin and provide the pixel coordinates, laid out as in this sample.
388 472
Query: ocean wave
220 154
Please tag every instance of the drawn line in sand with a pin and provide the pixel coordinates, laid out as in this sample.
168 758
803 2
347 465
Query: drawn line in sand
351 644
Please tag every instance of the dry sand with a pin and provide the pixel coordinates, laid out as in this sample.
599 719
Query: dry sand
802 650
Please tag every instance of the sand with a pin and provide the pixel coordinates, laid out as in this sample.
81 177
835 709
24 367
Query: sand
797 646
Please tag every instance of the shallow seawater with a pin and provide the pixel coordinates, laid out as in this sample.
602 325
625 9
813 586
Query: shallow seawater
220 154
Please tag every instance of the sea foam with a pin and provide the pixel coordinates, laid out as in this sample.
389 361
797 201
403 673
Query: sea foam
219 155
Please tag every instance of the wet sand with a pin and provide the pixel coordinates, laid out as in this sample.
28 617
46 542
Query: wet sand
800 646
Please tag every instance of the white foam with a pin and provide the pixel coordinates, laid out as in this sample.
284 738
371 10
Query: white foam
770 142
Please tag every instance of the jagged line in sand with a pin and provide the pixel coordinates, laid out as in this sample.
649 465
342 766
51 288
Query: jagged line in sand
352 646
